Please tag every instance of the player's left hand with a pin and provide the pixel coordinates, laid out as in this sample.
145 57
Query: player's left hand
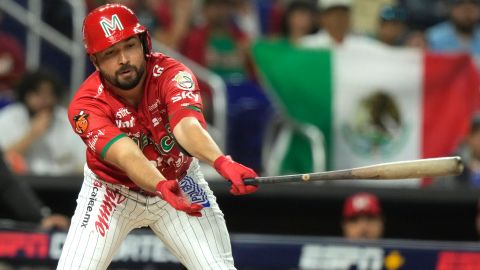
170 191
235 173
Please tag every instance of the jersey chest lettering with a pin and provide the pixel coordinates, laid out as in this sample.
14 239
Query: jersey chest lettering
149 128
124 118
164 146
125 123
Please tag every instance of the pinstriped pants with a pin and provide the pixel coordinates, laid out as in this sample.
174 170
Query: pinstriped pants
106 213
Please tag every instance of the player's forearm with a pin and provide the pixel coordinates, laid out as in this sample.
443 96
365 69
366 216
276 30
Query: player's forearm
196 140
143 173
126 155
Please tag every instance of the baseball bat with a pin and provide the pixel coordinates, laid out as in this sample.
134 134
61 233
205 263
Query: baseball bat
419 168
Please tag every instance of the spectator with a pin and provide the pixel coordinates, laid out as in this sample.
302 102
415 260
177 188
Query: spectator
217 44
416 39
38 128
334 18
469 151
174 20
392 26
362 217
17 197
247 18
461 32
298 20
364 15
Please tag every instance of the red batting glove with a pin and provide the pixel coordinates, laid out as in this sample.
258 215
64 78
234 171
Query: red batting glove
235 173
170 192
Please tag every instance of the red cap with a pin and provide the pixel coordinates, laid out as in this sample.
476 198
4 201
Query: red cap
109 24
361 204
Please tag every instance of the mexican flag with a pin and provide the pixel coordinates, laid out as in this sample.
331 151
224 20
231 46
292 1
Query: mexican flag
372 106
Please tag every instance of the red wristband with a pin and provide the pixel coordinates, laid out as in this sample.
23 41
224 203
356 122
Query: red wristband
219 161
159 186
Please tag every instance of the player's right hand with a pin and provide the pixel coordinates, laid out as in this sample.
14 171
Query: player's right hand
170 191
235 173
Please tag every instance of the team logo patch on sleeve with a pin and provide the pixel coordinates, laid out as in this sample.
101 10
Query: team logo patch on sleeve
81 122
184 80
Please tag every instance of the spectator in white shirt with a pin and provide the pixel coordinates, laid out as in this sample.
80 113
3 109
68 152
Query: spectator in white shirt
37 128
335 23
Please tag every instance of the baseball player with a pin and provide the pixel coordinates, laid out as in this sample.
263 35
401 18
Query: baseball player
140 114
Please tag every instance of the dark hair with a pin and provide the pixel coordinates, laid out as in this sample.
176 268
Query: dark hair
393 13
292 7
31 80
475 123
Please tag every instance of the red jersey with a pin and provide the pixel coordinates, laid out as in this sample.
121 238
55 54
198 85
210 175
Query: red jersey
101 117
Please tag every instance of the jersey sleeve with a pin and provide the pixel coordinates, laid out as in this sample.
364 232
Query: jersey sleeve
181 94
92 122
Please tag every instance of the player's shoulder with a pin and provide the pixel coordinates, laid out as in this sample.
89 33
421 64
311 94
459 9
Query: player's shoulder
91 92
162 63
92 86
171 72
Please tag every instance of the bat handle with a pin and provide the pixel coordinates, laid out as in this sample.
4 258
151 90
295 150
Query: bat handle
250 181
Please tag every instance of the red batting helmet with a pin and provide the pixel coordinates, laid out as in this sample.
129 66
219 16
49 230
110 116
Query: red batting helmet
109 24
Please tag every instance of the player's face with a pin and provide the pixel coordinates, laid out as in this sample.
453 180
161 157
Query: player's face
363 227
123 64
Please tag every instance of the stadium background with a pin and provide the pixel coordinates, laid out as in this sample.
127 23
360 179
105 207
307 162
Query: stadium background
279 221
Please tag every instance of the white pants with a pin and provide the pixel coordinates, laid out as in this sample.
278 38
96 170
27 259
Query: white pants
106 213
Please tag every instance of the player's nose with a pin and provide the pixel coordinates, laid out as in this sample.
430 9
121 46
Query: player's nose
123 58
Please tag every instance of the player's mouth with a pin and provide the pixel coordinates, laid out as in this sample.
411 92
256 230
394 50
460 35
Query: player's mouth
127 72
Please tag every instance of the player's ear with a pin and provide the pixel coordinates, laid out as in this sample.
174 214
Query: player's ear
94 61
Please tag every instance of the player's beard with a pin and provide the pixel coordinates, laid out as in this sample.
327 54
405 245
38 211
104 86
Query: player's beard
125 84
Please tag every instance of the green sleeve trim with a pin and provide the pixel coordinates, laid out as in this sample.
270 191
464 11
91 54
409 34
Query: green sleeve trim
107 146
193 108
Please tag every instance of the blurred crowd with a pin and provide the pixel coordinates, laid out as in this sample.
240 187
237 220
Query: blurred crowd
222 30
37 139
217 34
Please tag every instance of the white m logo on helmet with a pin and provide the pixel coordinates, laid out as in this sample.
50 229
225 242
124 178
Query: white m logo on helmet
111 25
